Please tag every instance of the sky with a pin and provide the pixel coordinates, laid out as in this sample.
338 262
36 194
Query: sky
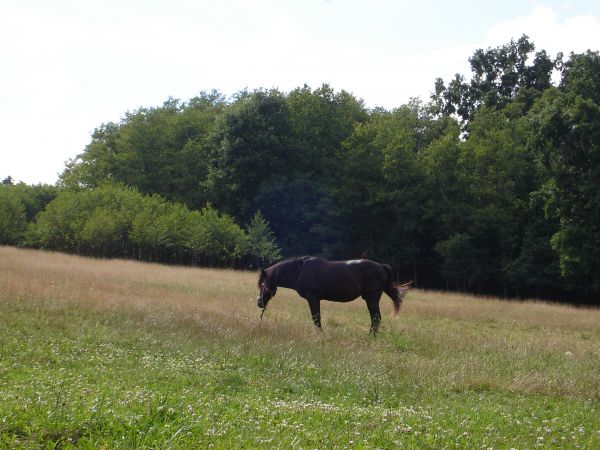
66 67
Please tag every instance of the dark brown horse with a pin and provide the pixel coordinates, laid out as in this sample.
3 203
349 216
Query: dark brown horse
317 279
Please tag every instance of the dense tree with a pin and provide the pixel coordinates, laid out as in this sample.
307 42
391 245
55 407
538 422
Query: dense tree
500 175
251 146
303 215
581 76
499 75
534 271
567 137
261 249
12 216
491 187
19 205
161 150
215 239
384 185
159 229
116 221
321 120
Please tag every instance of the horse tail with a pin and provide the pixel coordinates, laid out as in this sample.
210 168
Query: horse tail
395 291
391 290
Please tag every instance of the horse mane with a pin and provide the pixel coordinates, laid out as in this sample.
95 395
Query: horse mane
261 276
287 261
280 267
293 259
265 273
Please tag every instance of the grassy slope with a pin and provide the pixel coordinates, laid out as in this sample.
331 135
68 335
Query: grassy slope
121 354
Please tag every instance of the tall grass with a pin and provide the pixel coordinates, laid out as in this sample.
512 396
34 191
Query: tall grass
127 354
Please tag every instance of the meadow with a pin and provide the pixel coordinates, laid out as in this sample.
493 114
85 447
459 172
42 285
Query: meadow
122 354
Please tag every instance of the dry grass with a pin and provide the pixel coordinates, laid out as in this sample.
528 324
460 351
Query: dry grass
441 339
118 283
121 354
531 312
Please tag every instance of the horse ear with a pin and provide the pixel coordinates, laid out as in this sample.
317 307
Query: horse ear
299 263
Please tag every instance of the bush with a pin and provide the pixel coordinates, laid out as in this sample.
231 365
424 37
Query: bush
12 216
115 221
261 248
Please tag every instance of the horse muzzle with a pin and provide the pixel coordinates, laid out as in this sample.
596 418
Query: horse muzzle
261 303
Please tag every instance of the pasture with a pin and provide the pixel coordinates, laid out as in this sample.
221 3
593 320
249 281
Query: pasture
122 354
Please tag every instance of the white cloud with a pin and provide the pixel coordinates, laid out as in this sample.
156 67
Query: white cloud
549 32
67 68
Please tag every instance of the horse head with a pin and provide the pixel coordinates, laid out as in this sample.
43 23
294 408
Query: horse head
284 273
266 289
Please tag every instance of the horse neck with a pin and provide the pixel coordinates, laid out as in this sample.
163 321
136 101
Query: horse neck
285 276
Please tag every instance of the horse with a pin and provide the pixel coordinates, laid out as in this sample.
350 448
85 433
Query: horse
317 279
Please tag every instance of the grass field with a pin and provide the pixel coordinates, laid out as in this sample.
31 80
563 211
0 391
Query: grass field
120 354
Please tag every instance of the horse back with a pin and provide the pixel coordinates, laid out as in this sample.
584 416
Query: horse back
341 280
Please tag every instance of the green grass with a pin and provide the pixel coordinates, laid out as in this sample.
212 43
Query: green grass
151 370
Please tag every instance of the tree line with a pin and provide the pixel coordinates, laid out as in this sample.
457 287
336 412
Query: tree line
116 221
490 186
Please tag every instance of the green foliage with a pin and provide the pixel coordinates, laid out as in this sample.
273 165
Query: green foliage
461 261
384 185
581 75
54 227
161 150
261 248
498 177
321 120
302 215
12 216
500 75
146 229
252 146
567 138
115 221
491 187
215 238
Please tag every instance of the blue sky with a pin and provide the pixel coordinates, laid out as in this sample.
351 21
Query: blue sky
68 66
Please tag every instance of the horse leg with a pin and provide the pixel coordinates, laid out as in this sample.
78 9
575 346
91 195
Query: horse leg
373 305
315 311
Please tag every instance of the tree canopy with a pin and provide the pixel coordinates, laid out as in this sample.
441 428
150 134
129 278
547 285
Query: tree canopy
490 187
